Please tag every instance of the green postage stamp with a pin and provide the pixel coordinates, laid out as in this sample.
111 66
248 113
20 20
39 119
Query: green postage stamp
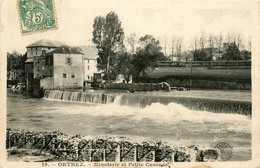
36 15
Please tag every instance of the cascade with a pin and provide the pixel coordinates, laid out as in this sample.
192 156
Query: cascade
141 101
80 96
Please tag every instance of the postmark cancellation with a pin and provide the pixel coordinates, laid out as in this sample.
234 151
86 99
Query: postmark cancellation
36 15
224 151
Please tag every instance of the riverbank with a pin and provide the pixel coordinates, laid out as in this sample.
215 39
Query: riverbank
201 77
53 146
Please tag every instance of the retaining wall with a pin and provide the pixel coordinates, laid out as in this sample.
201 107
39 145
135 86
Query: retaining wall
210 84
103 149
47 82
136 86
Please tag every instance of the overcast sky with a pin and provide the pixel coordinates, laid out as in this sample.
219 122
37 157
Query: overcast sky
158 18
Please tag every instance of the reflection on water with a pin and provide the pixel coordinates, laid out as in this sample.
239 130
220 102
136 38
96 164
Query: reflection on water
173 122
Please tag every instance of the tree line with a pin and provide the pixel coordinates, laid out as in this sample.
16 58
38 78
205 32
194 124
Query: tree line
210 47
16 66
114 59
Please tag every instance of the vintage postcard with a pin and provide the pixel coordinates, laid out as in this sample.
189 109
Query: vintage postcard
147 83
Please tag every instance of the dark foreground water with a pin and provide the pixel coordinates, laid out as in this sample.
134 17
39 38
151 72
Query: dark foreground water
173 123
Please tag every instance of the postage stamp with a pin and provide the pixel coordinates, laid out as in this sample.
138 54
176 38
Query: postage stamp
224 151
36 15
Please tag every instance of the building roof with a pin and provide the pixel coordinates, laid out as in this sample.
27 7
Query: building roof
64 49
46 43
29 60
89 52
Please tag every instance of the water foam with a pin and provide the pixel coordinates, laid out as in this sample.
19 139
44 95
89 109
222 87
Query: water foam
160 113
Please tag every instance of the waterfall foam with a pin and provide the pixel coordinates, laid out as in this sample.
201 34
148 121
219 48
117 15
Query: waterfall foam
172 113
142 101
88 97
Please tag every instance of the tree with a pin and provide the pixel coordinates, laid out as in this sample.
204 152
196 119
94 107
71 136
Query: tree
16 66
108 36
202 40
232 52
230 37
246 55
165 40
131 40
147 54
211 46
249 44
239 41
199 55
172 46
178 47
194 43
219 43
124 65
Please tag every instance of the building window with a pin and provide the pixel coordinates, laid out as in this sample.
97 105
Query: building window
68 60
64 75
36 53
72 76
88 77
88 61
88 67
43 52
38 68
50 72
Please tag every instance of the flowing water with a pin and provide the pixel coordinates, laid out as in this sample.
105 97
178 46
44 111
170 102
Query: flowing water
135 116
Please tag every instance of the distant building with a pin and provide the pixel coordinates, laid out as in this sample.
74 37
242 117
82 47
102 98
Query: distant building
121 79
173 57
216 54
90 55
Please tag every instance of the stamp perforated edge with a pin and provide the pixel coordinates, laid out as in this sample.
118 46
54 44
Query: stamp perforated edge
40 31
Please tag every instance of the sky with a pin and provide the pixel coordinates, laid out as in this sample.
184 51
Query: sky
160 18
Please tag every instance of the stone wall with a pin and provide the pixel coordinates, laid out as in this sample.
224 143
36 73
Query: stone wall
106 149
47 83
137 86
209 84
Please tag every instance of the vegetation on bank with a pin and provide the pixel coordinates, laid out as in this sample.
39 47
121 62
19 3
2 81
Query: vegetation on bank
115 58
15 68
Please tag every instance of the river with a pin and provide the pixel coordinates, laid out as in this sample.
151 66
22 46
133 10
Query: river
169 122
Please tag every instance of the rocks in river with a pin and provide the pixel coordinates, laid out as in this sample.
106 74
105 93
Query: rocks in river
77 148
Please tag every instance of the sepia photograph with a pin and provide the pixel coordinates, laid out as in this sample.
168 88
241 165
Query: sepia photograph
129 83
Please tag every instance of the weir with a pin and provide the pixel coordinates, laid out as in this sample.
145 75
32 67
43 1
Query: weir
100 98
141 101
